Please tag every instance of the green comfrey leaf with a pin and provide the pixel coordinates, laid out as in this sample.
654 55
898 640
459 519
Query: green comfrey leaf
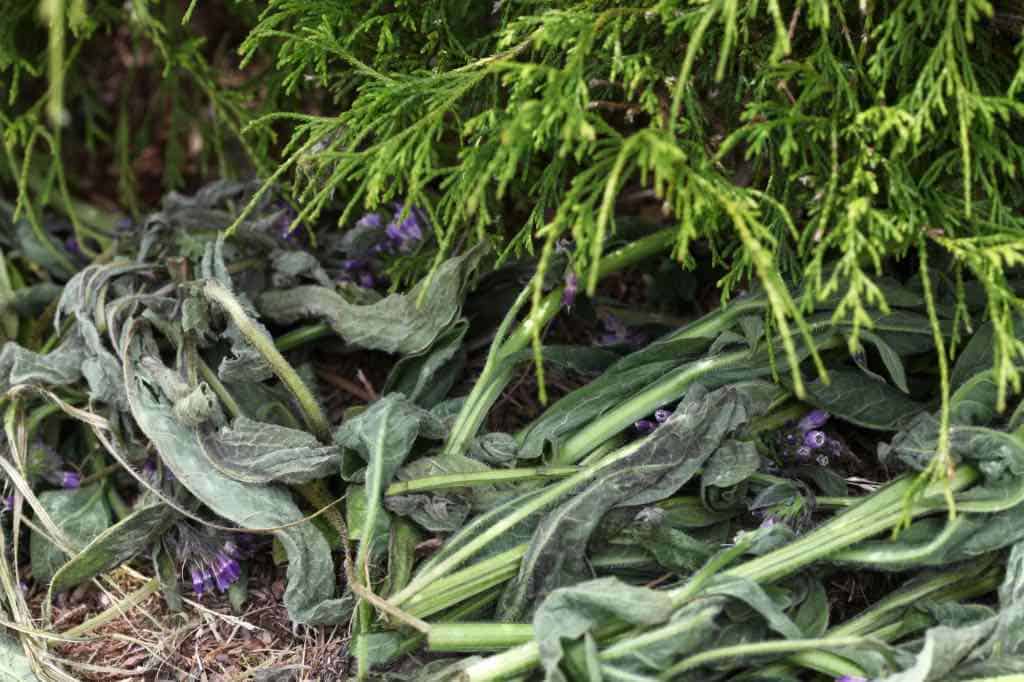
755 597
975 358
260 452
406 324
854 397
671 456
975 401
14 664
812 616
82 514
383 436
570 612
945 647
311 575
890 358
734 462
620 381
427 378
115 545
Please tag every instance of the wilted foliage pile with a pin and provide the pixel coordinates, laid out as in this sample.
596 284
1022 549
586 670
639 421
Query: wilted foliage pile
754 267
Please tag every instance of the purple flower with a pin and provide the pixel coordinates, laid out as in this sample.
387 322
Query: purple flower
228 571
814 419
851 678
814 439
661 416
198 586
822 460
569 292
367 280
69 479
644 426
9 503
404 233
769 521
72 247
207 580
370 220
803 452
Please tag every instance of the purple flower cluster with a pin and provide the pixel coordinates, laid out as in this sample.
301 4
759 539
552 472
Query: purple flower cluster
402 232
398 231
808 440
220 570
212 562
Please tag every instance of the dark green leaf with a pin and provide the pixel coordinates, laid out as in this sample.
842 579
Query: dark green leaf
861 400
570 612
115 545
82 514
427 378
671 455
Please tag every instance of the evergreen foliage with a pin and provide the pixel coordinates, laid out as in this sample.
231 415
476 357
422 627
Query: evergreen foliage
805 144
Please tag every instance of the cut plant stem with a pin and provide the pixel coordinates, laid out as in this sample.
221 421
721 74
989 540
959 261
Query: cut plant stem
877 513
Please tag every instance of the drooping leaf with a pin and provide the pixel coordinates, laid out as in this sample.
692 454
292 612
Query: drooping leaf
975 358
427 378
890 358
383 435
667 460
732 463
259 452
82 514
570 612
397 324
115 545
311 574
861 400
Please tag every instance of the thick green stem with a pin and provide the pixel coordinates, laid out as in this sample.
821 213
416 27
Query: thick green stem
505 524
262 342
302 335
447 481
477 636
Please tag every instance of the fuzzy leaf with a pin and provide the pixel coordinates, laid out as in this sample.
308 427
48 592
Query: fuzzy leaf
890 358
427 378
117 544
82 514
570 612
671 455
861 400
259 452
383 435
311 575
14 664
397 324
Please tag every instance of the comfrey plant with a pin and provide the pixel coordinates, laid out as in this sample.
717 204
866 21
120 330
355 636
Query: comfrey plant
207 560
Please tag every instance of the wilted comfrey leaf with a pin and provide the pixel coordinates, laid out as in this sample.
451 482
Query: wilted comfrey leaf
311 574
401 323
667 460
